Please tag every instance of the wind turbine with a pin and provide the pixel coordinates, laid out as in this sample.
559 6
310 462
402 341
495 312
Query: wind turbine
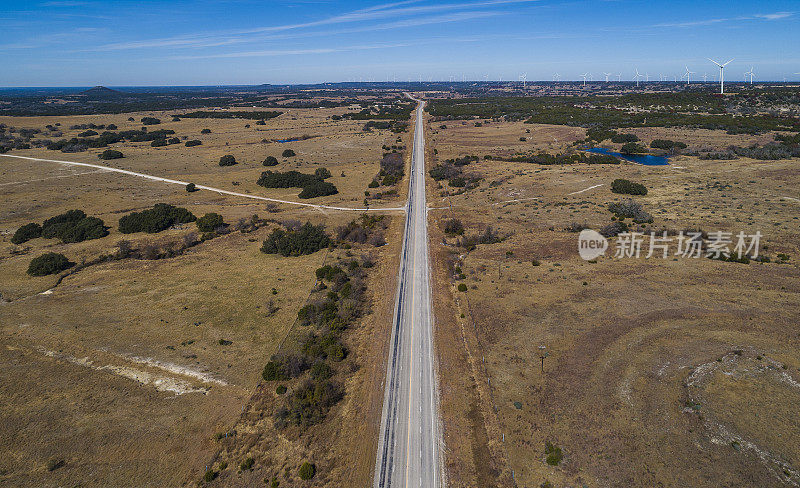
721 74
637 77
619 77
705 77
584 78
687 74
524 78
607 75
750 74
556 77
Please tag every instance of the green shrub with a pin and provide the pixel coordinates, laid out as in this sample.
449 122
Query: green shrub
210 476
288 179
191 187
193 143
150 121
47 264
288 153
666 144
322 173
624 138
318 189
280 390
159 143
161 217
453 227
627 187
26 233
273 371
632 148
227 160
209 222
307 471
271 161
308 239
462 287
328 272
73 226
110 154
553 454
321 371
247 464
205 131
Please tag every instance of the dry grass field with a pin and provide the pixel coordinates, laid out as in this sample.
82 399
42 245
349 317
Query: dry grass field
659 372
122 373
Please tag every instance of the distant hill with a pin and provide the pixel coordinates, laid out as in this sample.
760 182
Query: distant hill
101 93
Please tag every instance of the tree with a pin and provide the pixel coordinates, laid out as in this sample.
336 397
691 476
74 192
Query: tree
307 471
26 233
110 154
209 222
288 153
193 143
271 161
322 173
227 160
205 131
49 263
150 121
191 187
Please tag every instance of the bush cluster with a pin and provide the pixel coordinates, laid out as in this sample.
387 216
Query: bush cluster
210 222
48 264
161 217
308 239
624 138
632 148
271 161
453 227
227 160
627 187
26 233
547 159
366 229
110 154
329 315
667 145
630 209
73 226
312 185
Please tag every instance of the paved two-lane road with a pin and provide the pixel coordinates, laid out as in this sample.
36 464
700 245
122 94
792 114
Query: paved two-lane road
408 447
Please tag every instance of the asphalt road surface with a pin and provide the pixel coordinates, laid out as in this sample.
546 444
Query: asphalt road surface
409 442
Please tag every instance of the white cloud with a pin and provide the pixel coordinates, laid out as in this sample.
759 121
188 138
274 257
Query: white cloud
695 23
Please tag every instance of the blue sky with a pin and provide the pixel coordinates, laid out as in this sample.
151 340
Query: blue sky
214 42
